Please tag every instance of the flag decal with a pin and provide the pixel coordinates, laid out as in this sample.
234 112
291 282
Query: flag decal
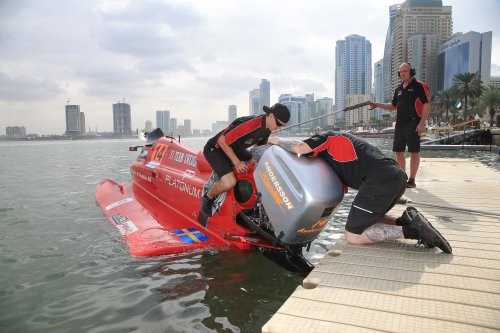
190 235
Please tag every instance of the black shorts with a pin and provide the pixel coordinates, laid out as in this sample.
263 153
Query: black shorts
407 136
220 163
374 199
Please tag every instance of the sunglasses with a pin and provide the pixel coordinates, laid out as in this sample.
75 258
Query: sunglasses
278 122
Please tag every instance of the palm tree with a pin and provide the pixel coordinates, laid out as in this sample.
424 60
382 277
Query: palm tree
446 100
491 99
469 85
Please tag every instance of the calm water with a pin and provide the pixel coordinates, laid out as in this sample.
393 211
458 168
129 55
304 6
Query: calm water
64 267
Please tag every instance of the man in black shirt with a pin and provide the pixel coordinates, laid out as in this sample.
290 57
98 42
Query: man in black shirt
380 183
412 102
228 148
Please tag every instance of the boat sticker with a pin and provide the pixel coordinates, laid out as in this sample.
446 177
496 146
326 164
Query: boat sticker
152 164
191 235
119 203
182 157
158 153
273 186
118 218
183 186
127 227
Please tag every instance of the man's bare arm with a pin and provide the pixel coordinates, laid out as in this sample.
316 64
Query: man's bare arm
294 146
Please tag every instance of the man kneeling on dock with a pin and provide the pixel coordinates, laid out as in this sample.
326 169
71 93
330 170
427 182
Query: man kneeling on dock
380 184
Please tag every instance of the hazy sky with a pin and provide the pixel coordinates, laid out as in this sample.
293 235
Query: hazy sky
192 57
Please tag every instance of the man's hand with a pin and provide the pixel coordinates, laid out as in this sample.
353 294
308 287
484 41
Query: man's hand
420 129
241 167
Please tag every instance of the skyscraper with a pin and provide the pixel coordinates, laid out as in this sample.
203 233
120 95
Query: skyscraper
254 103
122 124
163 121
265 93
424 17
353 69
387 66
470 52
232 113
72 119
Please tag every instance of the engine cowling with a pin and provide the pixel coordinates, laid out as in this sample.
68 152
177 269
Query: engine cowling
299 195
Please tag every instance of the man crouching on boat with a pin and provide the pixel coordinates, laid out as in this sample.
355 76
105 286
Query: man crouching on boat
380 184
228 148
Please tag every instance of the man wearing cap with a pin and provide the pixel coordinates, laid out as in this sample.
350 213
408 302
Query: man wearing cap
228 149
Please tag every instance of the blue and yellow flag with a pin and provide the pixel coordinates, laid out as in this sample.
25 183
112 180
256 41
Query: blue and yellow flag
190 235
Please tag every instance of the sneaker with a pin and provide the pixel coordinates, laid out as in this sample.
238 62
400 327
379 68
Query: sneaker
427 234
206 205
411 183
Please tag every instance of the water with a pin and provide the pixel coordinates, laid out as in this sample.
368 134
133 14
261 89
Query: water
64 268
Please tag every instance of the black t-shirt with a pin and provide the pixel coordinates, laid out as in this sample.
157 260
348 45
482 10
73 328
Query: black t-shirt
354 159
410 101
243 133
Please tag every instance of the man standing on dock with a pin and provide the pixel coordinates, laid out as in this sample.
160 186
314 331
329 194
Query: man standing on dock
412 102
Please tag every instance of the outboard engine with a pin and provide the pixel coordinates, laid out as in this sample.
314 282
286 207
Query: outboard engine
299 195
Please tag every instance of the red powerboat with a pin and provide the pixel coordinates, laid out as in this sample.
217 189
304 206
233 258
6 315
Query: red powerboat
279 206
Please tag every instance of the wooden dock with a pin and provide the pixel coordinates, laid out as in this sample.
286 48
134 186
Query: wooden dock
395 287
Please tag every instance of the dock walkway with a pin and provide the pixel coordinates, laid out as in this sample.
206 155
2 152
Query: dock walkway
395 287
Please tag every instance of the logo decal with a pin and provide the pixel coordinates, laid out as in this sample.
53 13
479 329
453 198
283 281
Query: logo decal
191 235
118 203
273 185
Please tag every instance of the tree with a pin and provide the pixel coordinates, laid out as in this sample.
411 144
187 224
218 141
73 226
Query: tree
491 99
469 85
445 101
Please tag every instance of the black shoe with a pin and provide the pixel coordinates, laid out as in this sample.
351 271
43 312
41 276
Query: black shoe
206 205
411 183
420 226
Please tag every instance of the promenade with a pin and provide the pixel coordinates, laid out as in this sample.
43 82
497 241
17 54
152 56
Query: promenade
395 287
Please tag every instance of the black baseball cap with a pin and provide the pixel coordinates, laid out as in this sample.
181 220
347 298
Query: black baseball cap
280 111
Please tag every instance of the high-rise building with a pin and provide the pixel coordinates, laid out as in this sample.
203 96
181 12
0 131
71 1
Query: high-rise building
187 127
82 122
163 121
298 107
122 122
418 17
323 106
353 70
232 113
265 93
361 116
73 119
254 103
148 126
422 54
470 52
387 66
378 86
17 132
173 126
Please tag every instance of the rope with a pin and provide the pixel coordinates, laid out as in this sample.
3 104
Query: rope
481 212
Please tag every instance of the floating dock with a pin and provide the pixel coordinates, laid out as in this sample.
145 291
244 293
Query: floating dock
395 287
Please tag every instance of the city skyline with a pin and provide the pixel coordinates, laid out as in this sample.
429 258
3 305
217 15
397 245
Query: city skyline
191 58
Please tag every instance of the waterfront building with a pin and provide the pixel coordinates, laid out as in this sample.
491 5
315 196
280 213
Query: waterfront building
361 116
163 121
173 126
422 54
73 119
418 17
15 132
323 106
232 113
378 87
218 126
469 52
299 112
254 102
353 70
495 81
122 124
82 122
187 127
265 93
387 65
148 126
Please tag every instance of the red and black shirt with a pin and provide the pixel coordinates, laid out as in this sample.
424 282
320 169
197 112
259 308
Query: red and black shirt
410 101
243 133
354 159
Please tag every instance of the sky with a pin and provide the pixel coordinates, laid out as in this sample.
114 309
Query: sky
191 57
